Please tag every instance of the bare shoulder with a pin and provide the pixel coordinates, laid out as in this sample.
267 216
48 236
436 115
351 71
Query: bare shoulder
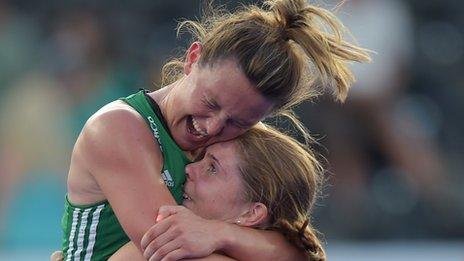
117 130
115 118
112 139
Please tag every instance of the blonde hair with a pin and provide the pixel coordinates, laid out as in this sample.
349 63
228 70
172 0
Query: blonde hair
284 175
286 48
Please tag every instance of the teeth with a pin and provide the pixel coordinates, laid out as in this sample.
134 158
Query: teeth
186 197
198 129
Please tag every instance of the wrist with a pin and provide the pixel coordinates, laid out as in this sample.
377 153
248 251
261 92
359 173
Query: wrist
225 238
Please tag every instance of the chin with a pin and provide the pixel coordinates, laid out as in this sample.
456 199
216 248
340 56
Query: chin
189 146
183 142
186 204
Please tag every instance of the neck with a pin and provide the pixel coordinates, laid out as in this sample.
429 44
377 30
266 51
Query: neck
163 98
160 95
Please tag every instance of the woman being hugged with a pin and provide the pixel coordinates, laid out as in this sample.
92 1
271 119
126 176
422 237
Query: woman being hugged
263 179
241 67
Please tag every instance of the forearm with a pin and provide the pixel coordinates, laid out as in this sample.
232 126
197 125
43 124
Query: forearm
212 257
130 252
244 243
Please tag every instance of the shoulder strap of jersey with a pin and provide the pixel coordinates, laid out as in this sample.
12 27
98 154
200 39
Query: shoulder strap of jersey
139 102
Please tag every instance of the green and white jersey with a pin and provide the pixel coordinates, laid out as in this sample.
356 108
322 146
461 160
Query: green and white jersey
92 232
174 159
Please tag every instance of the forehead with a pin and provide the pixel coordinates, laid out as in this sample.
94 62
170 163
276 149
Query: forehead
226 154
225 82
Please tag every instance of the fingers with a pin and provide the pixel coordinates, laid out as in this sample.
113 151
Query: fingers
166 211
166 252
152 233
56 256
175 255
160 241
160 227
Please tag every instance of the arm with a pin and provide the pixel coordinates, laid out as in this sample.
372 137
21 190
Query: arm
245 243
121 155
130 252
200 237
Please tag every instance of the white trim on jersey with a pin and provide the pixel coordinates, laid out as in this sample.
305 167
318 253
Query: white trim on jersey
81 235
93 232
73 232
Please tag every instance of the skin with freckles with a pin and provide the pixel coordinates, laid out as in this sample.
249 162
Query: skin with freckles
218 103
214 188
213 191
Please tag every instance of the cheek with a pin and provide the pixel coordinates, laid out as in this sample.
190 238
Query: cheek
214 204
194 100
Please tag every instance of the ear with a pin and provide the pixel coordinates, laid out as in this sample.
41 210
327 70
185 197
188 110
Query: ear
255 216
193 55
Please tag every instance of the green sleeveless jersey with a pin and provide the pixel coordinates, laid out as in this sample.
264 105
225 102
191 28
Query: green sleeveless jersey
92 232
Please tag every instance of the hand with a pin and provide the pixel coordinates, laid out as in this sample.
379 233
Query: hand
56 256
179 234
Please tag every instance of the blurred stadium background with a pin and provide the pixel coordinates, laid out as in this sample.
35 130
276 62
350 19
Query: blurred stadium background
396 147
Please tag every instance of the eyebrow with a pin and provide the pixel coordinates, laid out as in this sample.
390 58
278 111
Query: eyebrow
213 158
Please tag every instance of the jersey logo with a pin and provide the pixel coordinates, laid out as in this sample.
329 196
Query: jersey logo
154 128
167 178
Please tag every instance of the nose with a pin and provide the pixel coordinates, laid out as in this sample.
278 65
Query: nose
190 171
216 124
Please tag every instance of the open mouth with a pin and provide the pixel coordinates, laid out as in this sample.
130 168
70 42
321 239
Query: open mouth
194 128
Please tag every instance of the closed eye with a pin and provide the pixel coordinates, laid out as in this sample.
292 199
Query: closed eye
239 124
213 164
210 104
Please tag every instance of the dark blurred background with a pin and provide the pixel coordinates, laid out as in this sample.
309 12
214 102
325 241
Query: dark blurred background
395 148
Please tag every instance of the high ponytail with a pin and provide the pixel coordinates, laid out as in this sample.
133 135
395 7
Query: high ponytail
319 34
283 47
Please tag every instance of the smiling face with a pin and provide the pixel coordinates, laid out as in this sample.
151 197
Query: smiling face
212 103
214 188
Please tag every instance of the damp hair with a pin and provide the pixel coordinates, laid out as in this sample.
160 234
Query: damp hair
288 49
286 177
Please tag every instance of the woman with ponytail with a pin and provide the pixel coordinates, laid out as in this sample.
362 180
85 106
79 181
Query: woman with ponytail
263 179
240 68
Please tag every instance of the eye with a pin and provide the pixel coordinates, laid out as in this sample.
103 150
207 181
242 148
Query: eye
212 169
210 104
239 124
